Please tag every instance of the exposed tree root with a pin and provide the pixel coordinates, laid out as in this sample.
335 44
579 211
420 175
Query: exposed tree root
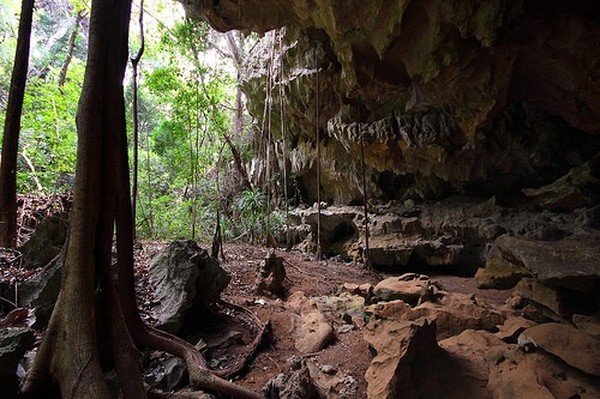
157 394
262 328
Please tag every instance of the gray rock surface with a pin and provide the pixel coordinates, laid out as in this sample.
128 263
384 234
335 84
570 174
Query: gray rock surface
14 341
46 242
186 281
41 290
571 262
297 385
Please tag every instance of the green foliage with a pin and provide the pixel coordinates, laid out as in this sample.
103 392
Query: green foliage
254 217
48 133
182 120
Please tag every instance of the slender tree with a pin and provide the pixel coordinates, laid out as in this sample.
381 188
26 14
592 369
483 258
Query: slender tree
135 60
12 128
62 77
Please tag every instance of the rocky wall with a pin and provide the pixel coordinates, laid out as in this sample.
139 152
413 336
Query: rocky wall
449 96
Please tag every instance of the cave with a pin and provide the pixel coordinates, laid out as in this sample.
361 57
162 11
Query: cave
297 199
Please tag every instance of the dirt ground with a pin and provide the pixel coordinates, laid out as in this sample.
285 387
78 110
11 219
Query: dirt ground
349 353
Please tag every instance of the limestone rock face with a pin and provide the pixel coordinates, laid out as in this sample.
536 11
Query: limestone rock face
576 348
571 262
312 330
450 234
405 359
447 95
407 287
186 280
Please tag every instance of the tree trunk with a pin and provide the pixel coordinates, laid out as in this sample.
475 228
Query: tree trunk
62 77
12 127
88 309
239 164
92 307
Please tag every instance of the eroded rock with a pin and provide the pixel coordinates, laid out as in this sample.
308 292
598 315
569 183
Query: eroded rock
573 346
511 329
407 287
556 303
186 281
270 275
499 272
465 364
298 385
453 314
46 242
571 262
330 382
312 329
538 375
405 358
578 188
588 324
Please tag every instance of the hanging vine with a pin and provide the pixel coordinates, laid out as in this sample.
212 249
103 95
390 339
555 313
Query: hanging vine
288 242
318 134
367 255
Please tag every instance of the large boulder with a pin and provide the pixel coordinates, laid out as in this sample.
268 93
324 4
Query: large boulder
573 346
466 360
46 242
405 362
571 262
186 280
14 341
41 290
588 324
499 272
555 302
517 374
453 313
312 330
407 287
